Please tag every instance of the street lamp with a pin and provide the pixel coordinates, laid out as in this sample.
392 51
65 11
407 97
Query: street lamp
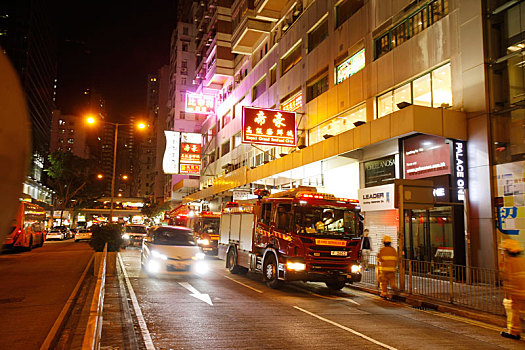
91 120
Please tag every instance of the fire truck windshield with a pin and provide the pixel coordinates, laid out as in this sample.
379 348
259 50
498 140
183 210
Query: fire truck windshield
210 225
325 221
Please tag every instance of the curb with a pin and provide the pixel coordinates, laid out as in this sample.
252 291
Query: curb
417 301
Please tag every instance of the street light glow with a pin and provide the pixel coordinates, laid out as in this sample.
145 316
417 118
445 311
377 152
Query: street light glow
141 125
100 176
90 120
125 177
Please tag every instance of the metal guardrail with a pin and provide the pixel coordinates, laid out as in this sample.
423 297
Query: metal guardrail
472 287
94 325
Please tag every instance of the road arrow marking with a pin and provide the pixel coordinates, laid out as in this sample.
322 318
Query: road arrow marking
196 293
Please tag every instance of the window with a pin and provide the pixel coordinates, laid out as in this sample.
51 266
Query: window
350 66
317 87
183 81
237 139
70 141
184 64
318 34
225 148
259 88
345 10
61 122
337 124
273 75
185 30
284 217
433 89
291 59
266 216
422 91
412 25
184 46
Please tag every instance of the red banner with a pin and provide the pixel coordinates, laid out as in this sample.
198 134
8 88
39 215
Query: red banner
268 127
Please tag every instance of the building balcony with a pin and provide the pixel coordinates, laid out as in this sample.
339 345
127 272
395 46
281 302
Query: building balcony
219 71
248 34
269 10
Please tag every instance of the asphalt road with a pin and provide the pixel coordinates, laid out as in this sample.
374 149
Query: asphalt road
34 287
242 313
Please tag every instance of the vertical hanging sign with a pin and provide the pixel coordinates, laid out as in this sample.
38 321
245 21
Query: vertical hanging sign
459 175
170 162
190 153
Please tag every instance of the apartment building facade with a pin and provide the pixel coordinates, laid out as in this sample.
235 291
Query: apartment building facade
382 90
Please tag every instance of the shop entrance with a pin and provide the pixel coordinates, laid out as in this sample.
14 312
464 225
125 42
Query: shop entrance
435 234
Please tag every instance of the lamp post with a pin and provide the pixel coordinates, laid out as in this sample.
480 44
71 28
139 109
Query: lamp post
91 120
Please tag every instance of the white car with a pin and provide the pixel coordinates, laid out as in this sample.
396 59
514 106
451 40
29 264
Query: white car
172 250
83 235
55 234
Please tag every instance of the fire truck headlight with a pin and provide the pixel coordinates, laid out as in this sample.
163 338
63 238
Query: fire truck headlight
356 269
203 241
153 266
125 236
158 255
295 266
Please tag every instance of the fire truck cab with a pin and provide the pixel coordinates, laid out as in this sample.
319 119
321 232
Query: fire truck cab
205 226
295 235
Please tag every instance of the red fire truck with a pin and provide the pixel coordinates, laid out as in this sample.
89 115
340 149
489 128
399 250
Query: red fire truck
296 235
205 226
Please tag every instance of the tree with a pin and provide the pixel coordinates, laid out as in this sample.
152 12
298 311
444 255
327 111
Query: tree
72 178
154 209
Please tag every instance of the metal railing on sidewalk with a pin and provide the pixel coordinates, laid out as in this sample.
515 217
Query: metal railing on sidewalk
94 326
472 287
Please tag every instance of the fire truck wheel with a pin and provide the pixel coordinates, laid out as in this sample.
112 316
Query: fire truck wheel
232 263
270 273
335 285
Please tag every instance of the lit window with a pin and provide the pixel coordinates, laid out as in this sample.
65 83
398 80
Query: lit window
402 94
291 58
350 66
385 104
318 86
346 9
337 125
422 91
70 141
442 87
318 34
61 122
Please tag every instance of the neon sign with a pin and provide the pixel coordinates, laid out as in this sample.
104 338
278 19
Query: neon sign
197 103
268 127
349 67
293 104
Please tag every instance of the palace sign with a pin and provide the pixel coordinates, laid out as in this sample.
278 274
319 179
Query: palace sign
268 127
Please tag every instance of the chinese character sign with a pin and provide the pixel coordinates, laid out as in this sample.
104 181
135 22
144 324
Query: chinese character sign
293 104
202 104
190 153
269 127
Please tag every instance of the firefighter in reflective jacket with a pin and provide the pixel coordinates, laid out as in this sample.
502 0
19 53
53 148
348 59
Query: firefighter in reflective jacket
387 259
514 286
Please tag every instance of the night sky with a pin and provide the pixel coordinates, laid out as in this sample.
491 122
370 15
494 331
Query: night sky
111 47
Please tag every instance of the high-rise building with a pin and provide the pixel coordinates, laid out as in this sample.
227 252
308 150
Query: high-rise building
69 133
29 38
382 90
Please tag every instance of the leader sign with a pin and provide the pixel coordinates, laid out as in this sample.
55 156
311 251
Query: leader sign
268 127
376 198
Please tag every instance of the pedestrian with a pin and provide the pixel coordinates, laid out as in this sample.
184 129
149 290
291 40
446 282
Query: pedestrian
514 286
366 248
387 259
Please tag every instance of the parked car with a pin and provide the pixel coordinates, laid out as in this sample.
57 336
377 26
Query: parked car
55 234
83 235
133 235
172 250
65 230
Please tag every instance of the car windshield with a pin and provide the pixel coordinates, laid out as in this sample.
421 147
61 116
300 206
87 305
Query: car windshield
136 229
84 231
173 236
325 221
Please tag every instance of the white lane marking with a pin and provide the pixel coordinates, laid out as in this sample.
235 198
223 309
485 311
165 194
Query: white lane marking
196 293
245 285
323 296
350 300
142 323
347 329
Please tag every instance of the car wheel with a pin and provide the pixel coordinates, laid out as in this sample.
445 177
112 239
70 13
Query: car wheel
270 272
30 246
335 285
232 263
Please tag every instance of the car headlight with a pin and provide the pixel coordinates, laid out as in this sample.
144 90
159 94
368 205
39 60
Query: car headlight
203 241
125 236
199 256
295 266
158 255
201 267
153 266
356 269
